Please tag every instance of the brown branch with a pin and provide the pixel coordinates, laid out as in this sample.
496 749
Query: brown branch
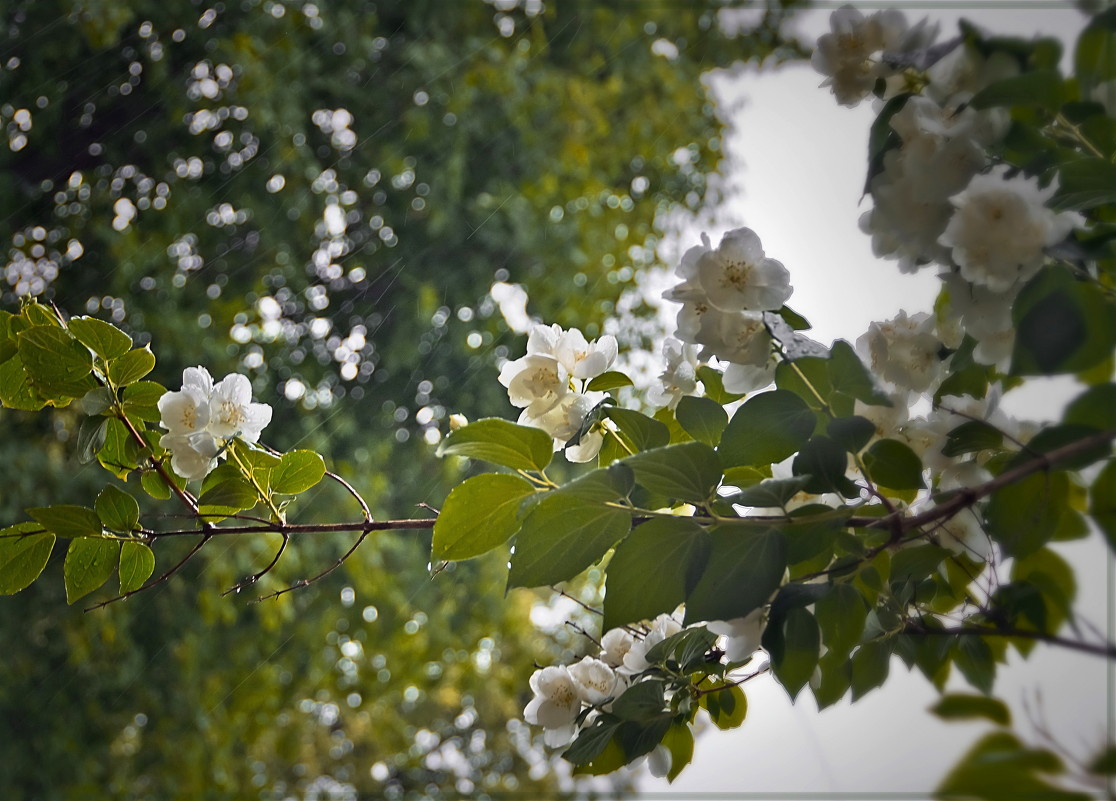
307 582
1097 649
366 526
252 579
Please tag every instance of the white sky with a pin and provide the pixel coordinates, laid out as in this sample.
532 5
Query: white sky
801 161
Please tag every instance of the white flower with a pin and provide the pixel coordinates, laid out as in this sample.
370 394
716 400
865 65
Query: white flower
680 376
964 532
185 411
737 277
536 382
194 455
985 316
614 645
846 53
662 627
742 634
1000 228
961 73
743 378
232 413
659 761
595 681
903 351
585 359
555 706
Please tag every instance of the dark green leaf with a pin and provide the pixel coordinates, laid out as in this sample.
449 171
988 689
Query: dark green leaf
801 646
840 615
892 464
688 471
642 701
137 563
561 536
104 339
870 666
653 569
90 438
1063 325
640 432
974 659
24 551
745 567
1102 502
97 400
825 462
1094 57
794 319
1044 88
89 563
1095 407
604 484
297 472
609 380
640 737
766 429
960 706
714 385
500 442
851 433
970 437
1024 516
772 493
117 509
727 707
591 741
132 366
480 514
67 520
1105 762
702 418
51 357
848 375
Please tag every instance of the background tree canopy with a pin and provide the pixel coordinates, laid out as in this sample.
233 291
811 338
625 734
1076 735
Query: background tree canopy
321 197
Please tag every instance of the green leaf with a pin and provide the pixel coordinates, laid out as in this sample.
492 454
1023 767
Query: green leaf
132 366
90 438
916 562
825 462
500 442
840 615
1043 88
609 380
727 707
1000 768
702 418
640 737
848 375
894 465
561 536
16 391
117 509
971 437
605 484
772 493
870 666
688 471
480 514
137 563
642 701
67 520
688 648
1095 407
1105 762
640 432
745 567
1062 325
679 741
24 551
97 400
1102 503
794 319
766 429
962 706
610 759
1094 57
154 485
801 647
141 400
89 563
851 433
226 497
1024 516
592 740
297 472
51 357
714 385
114 453
974 659
104 339
653 569
1085 183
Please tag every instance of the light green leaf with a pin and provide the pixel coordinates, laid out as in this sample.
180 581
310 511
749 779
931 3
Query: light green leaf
640 432
679 740
702 418
653 569
297 472
727 707
744 568
51 357
117 509
1024 515
500 442
1095 407
137 563
89 563
227 497
609 380
16 391
154 485
67 520
480 514
561 536
688 471
24 551
104 339
132 366
766 429
141 400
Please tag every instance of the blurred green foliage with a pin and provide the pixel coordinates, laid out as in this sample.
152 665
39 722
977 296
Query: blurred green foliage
321 197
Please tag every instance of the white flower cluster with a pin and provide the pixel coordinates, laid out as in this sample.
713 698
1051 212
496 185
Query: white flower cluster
203 416
561 694
549 383
724 292
937 199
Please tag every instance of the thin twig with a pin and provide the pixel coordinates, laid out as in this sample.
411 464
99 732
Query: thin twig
181 563
307 582
257 576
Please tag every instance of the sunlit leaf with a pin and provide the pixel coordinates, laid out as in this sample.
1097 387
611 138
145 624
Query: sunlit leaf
500 442
24 551
89 563
478 515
